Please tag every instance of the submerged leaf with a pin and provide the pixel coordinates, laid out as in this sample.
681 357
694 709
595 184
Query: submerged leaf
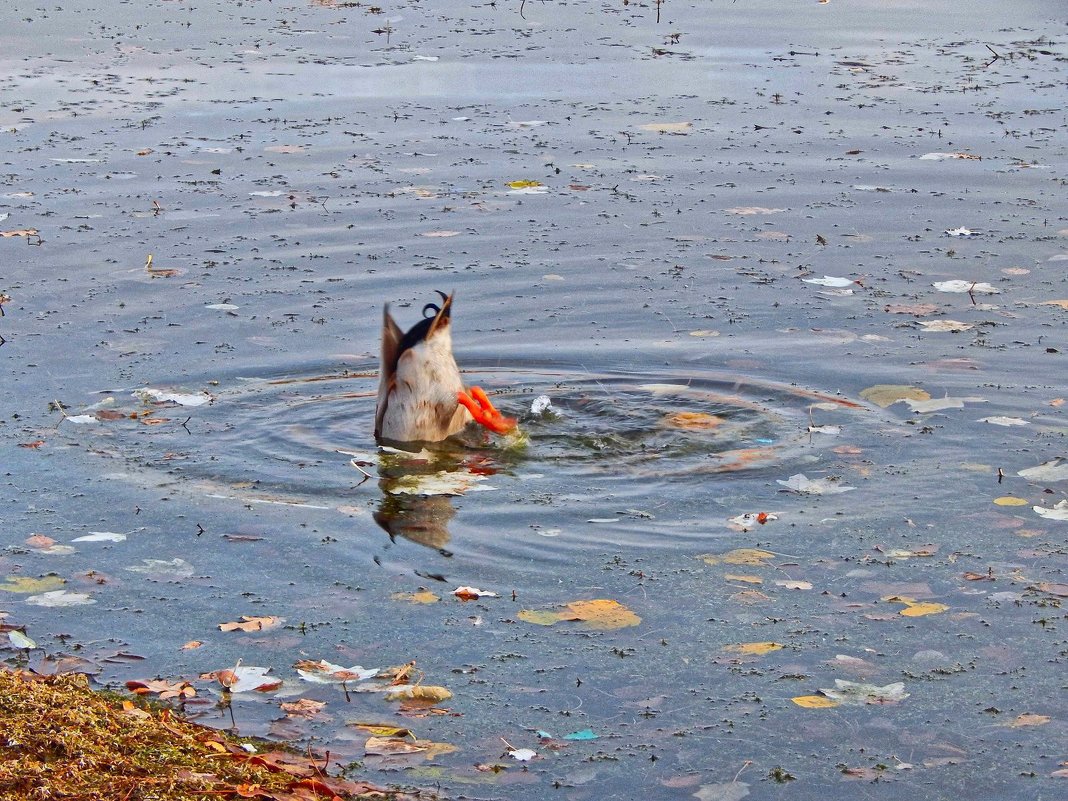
884 395
738 556
800 483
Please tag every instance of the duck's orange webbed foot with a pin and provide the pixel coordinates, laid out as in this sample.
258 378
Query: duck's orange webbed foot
484 412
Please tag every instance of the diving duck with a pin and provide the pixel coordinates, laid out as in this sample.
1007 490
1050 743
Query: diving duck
421 396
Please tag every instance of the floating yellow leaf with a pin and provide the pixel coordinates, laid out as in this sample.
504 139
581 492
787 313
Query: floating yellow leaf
1062 303
739 556
419 692
693 421
884 395
746 579
914 608
602 614
921 609
753 648
421 597
523 184
1009 500
814 701
30 585
599 613
383 729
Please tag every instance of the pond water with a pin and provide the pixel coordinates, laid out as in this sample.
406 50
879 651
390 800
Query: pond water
792 276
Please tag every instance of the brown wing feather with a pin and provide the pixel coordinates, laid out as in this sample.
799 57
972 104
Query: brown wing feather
391 340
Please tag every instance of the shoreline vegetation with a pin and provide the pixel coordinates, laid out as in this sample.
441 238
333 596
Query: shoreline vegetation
61 739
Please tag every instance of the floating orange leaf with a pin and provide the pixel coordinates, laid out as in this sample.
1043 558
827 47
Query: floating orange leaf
753 648
248 623
693 421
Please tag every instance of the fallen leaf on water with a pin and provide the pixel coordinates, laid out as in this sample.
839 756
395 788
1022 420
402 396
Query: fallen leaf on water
28 584
971 287
914 608
858 694
176 568
744 579
748 211
302 708
830 280
164 689
522 754
601 614
1062 303
962 232
285 149
884 395
945 156
1054 470
150 395
753 648
945 326
916 309
523 184
1004 421
692 421
101 536
419 692
394 745
244 678
421 597
667 127
800 483
19 640
1058 512
248 623
1009 500
749 520
1029 719
814 701
382 729
1053 588
794 585
472 593
27 232
727 791
738 556
37 443
191 645
323 672
57 598
936 404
